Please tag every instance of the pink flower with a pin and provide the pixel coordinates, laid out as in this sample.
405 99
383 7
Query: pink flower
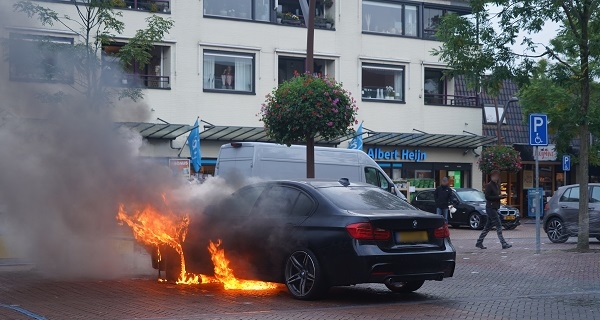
334 110
336 101
330 124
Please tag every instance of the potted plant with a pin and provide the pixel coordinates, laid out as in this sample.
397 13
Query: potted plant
291 18
329 22
389 93
279 17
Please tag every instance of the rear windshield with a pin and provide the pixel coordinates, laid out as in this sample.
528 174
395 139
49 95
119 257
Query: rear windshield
364 198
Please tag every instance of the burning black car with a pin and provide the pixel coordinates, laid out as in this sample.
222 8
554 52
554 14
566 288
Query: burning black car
314 235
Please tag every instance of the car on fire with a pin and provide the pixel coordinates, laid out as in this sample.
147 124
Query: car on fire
470 209
312 235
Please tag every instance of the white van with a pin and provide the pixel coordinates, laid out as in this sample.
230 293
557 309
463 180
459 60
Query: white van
274 161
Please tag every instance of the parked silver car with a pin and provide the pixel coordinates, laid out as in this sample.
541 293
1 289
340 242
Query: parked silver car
561 219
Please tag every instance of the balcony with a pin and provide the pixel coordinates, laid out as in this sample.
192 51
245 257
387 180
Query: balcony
145 81
450 100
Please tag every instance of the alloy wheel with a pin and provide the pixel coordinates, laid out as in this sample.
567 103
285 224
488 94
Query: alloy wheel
556 231
300 274
474 221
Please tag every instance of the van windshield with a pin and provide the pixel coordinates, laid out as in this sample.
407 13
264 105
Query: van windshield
364 198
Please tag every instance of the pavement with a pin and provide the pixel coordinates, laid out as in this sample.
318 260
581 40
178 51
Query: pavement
488 284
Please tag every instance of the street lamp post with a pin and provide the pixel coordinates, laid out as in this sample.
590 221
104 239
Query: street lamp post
501 120
310 45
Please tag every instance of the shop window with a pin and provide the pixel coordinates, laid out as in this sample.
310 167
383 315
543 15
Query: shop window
154 75
382 83
40 58
288 66
570 195
434 87
390 18
228 72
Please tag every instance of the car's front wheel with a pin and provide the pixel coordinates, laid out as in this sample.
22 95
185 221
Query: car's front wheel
403 287
556 231
475 221
303 276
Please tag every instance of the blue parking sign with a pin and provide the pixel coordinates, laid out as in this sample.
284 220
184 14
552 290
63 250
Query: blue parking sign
566 163
538 129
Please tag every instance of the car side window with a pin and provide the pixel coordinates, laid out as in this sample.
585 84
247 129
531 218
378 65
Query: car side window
570 195
304 205
245 199
277 201
595 196
425 196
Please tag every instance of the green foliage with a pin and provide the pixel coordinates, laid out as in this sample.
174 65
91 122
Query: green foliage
137 50
502 158
306 106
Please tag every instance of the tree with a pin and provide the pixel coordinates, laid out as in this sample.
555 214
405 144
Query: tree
306 106
491 49
97 24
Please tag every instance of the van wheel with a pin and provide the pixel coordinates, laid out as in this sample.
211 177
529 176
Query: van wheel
403 287
304 277
556 231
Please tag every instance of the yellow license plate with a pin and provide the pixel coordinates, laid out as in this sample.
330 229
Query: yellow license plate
411 236
509 217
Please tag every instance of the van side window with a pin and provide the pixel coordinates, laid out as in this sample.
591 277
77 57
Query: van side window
371 176
383 183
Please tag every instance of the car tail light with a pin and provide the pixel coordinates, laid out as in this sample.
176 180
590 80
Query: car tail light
365 231
442 232
547 207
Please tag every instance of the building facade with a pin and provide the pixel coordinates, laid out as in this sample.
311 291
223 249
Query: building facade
223 56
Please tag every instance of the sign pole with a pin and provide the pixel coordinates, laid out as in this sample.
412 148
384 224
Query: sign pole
537 202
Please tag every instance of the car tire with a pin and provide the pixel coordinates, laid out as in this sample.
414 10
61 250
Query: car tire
304 277
555 230
403 287
475 221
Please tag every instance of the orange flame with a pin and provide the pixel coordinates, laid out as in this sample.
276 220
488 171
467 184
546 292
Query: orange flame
225 275
154 228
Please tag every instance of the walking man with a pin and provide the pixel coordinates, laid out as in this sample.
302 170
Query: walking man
442 196
492 197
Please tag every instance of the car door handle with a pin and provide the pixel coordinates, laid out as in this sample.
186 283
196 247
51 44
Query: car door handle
564 207
591 208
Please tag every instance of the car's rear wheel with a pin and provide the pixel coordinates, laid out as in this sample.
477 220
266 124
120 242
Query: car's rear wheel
303 276
475 221
556 231
403 287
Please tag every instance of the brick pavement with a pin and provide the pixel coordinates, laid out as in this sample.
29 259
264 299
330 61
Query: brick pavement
488 284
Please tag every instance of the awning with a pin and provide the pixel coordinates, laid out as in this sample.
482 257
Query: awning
158 130
427 140
254 134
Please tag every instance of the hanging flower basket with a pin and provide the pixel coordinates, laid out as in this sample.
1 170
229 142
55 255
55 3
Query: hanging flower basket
306 106
502 158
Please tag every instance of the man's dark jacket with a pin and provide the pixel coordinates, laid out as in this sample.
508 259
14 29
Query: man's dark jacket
442 195
492 195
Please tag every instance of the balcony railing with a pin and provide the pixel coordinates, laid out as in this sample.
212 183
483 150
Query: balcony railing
450 100
141 81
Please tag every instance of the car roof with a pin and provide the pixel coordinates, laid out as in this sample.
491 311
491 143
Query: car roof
316 183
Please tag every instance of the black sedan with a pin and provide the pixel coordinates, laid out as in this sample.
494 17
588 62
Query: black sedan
470 208
314 235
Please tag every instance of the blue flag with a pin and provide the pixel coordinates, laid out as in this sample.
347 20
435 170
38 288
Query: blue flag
194 143
357 141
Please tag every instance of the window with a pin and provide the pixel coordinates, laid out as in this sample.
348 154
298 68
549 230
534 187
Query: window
278 201
155 75
40 58
434 87
304 205
380 82
431 20
228 72
376 178
595 196
243 200
425 196
489 111
364 198
289 65
570 195
240 9
398 19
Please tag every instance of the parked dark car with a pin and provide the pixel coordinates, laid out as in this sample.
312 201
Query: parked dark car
561 219
314 235
470 209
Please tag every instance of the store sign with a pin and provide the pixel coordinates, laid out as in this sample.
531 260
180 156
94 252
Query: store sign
404 154
546 153
180 167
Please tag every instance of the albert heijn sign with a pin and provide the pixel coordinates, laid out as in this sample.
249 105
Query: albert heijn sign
397 154
546 153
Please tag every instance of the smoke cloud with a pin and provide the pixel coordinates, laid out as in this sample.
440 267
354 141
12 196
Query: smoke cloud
65 170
